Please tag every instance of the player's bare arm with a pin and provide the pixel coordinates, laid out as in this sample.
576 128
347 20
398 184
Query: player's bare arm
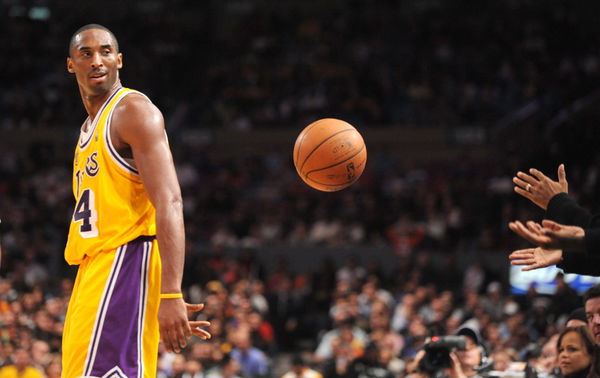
138 132
539 188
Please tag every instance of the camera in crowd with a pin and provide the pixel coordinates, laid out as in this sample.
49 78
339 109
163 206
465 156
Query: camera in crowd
437 352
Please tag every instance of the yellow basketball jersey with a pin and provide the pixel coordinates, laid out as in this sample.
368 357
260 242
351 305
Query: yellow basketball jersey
112 207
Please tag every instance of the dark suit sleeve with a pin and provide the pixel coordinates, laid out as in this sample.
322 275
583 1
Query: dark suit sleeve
587 262
580 263
563 209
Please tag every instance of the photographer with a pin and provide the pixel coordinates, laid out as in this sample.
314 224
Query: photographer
459 356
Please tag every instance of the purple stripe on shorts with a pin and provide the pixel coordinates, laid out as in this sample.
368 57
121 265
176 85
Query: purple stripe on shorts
118 344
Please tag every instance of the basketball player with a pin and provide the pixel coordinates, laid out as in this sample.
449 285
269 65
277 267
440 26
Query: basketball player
128 208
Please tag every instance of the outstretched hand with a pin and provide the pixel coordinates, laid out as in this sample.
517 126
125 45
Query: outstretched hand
551 239
175 328
535 258
539 188
551 235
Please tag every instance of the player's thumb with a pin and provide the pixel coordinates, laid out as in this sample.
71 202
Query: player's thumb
194 307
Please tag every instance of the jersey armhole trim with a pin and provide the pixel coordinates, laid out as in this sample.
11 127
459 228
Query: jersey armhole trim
112 152
92 127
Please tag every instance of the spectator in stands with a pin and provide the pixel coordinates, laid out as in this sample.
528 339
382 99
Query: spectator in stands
54 368
300 369
253 362
346 332
40 354
548 361
503 359
575 353
21 366
227 368
576 318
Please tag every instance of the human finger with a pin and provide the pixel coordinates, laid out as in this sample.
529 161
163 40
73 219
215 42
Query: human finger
519 229
552 225
534 227
169 341
185 332
179 336
532 267
521 254
521 183
525 262
538 174
562 175
522 258
530 233
199 323
523 193
201 333
528 179
190 307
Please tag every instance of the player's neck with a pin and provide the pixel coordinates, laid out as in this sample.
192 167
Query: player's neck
94 101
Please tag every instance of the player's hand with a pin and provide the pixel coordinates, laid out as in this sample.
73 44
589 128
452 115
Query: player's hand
196 324
539 188
535 258
175 328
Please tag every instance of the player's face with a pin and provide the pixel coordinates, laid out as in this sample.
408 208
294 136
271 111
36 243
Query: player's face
592 313
95 61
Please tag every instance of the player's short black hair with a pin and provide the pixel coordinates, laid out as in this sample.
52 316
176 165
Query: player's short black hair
88 27
592 292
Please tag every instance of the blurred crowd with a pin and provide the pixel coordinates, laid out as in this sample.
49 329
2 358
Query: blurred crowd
337 321
244 67
247 64
330 319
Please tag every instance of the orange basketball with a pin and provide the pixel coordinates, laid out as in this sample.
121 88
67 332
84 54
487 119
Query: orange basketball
330 154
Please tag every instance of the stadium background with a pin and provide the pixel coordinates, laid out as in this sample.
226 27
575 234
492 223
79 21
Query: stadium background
452 99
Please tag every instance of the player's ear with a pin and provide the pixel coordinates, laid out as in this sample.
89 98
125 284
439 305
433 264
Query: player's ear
119 60
70 65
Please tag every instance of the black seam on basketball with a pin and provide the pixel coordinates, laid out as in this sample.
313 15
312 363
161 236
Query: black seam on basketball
302 141
343 184
332 185
333 165
319 145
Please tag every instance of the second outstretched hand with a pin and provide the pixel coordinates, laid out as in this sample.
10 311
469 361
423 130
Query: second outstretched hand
551 235
535 258
539 188
175 328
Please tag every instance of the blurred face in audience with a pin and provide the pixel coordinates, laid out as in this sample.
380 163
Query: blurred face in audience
39 351
575 323
573 355
178 364
471 356
592 313
21 358
501 360
548 358
54 369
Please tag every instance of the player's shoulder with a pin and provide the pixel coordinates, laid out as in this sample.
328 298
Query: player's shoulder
136 110
135 102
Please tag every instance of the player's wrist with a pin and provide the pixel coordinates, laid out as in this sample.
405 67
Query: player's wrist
172 295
